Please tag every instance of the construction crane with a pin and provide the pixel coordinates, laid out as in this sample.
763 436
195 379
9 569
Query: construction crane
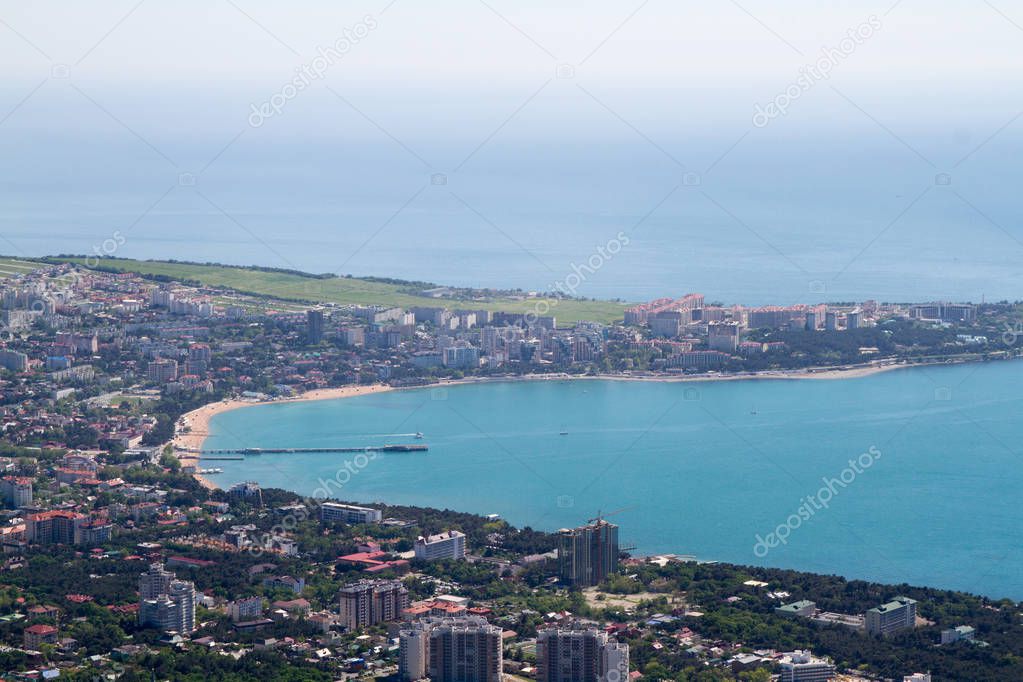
600 517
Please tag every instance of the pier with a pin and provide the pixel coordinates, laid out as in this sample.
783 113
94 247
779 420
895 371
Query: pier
289 451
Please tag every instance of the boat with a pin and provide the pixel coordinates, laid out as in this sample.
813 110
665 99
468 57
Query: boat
419 435
563 433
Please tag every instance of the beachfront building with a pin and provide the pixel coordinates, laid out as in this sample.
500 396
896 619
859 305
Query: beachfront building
589 554
448 545
886 619
335 512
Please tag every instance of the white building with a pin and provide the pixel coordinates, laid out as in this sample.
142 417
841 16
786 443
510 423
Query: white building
331 512
802 666
449 545
245 609
962 632
898 614
917 677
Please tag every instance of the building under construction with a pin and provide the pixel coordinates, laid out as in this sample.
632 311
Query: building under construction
589 554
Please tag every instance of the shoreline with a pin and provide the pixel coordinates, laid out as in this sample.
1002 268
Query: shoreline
188 444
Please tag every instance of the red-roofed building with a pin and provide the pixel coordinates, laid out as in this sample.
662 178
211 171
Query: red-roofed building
185 562
37 635
54 527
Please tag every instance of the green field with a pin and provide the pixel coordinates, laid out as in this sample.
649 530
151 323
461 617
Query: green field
9 267
350 290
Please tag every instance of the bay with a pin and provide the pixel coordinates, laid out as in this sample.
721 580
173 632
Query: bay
703 468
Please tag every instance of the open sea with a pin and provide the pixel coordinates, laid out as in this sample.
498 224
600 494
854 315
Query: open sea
702 468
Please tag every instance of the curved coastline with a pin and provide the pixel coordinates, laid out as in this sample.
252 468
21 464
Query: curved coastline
189 442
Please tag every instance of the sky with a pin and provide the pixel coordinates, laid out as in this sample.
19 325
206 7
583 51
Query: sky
552 124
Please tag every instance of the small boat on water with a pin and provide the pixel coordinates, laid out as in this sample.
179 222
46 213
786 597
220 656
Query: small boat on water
563 433
419 435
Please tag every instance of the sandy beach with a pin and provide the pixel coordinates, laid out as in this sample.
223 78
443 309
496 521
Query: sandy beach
193 427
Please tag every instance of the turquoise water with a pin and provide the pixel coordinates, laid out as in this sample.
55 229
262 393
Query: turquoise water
699 468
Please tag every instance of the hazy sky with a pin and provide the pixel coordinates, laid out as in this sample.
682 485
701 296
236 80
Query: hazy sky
229 130
669 63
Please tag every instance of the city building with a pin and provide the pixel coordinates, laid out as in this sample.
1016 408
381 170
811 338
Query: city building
803 607
314 323
580 654
369 602
723 336
854 319
956 634
244 610
16 491
13 360
54 527
284 582
166 603
37 635
447 545
944 312
333 512
802 666
173 612
666 323
154 582
917 677
886 619
463 649
162 371
461 357
589 554
831 321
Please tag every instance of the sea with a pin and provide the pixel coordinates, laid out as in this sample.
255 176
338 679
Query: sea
907 476
822 204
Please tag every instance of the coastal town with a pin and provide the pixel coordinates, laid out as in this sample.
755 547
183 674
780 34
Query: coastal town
123 561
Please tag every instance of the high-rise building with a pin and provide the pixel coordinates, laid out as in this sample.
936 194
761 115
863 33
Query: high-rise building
13 360
465 649
589 554
163 370
854 319
369 602
54 527
802 666
447 545
17 491
314 321
723 336
246 609
155 581
831 321
462 357
166 603
886 619
580 654
666 323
